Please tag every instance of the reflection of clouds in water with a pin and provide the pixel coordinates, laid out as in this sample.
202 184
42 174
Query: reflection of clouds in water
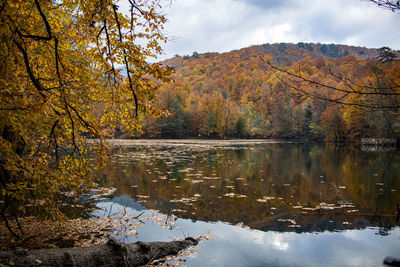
237 246
274 240
278 242
258 237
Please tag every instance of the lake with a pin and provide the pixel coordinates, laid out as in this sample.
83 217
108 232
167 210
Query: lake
259 202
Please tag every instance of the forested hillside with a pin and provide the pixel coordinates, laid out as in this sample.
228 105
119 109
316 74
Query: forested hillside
237 95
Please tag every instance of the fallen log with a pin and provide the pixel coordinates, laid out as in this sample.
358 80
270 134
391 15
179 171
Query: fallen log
113 253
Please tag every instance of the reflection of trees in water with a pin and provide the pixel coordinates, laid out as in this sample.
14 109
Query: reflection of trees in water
298 176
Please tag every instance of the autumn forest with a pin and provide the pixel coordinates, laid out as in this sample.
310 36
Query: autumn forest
238 95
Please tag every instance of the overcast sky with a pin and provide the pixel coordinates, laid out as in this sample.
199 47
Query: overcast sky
225 25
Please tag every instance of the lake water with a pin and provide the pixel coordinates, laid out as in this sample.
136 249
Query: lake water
260 203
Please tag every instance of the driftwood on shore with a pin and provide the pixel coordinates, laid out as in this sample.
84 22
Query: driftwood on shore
113 253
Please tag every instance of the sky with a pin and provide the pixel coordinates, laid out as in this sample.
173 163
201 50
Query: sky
226 25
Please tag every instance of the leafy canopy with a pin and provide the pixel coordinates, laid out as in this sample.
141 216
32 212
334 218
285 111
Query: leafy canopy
70 71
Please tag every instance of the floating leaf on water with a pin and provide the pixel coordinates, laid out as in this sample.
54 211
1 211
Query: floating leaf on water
346 206
326 206
211 178
99 192
265 199
310 209
178 210
350 211
235 195
185 200
287 220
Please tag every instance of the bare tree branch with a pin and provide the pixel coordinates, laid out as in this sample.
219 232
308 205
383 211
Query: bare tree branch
126 60
353 91
393 5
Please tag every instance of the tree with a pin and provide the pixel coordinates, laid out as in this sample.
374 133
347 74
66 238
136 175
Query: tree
70 71
195 55
210 126
241 128
393 5
176 124
385 54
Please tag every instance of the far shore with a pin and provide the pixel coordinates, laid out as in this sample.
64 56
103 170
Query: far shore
201 142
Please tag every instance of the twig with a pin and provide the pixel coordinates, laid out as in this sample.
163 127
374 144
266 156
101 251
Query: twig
152 259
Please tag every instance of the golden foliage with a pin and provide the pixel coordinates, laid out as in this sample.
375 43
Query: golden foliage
69 71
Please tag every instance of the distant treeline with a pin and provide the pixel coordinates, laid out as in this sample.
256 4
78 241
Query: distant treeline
236 95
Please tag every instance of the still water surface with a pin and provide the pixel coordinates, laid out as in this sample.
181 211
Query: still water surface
264 203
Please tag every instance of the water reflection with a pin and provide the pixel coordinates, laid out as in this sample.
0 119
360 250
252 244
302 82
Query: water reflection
239 246
280 186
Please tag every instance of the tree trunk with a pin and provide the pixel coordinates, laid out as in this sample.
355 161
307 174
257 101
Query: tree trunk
113 253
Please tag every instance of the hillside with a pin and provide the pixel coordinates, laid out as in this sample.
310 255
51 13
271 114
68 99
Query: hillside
236 94
288 52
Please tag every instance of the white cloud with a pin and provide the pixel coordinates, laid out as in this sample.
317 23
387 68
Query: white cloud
224 25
